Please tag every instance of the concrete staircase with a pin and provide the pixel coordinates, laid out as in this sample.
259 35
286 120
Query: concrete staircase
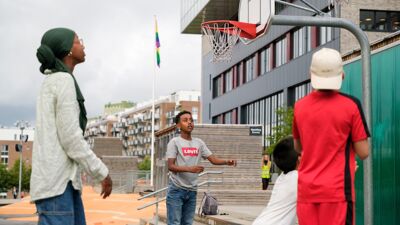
241 184
234 215
238 197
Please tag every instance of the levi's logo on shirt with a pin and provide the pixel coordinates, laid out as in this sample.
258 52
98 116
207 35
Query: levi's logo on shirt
190 151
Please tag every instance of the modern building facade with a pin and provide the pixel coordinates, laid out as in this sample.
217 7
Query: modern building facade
133 125
101 127
273 71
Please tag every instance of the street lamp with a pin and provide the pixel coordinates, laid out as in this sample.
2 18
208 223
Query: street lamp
21 124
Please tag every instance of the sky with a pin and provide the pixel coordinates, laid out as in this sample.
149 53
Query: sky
119 39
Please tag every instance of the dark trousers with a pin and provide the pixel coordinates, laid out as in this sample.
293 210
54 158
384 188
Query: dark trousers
265 182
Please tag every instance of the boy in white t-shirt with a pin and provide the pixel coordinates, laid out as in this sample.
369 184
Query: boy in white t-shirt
281 208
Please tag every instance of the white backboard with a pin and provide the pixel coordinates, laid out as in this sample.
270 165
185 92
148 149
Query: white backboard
257 11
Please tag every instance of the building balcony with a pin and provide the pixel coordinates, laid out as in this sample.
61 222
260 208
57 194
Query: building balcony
121 125
194 12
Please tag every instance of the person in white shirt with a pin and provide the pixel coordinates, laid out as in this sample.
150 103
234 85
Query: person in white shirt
281 208
59 149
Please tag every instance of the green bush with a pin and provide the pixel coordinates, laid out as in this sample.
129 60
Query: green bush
4 179
282 130
145 164
14 176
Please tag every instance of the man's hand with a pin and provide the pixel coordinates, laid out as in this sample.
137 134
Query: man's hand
231 162
106 187
196 169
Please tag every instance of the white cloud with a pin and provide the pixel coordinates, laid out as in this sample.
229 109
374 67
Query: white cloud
119 39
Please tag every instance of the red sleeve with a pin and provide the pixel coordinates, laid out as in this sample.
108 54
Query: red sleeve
295 131
359 130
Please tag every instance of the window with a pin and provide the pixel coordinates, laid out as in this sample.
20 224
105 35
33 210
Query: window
218 119
4 155
325 35
228 118
195 110
217 86
280 52
302 90
4 150
379 21
263 112
209 110
265 60
228 80
301 41
239 74
250 69
210 82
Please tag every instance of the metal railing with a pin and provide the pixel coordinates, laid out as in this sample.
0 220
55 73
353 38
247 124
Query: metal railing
124 182
158 200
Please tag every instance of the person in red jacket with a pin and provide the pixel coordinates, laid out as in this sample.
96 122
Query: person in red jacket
329 129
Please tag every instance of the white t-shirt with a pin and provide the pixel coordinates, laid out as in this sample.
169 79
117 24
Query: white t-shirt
281 209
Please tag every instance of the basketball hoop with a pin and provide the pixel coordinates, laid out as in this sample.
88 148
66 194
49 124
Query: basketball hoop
223 35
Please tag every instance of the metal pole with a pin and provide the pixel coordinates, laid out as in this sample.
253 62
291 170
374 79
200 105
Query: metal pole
313 7
208 182
152 119
366 84
20 165
296 6
156 217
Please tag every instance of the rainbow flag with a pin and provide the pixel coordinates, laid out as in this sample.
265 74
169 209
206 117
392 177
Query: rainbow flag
157 46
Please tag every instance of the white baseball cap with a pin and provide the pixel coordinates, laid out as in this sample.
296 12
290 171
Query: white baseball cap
326 69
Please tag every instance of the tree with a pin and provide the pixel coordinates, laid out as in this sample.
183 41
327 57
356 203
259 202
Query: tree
4 178
14 176
282 130
145 164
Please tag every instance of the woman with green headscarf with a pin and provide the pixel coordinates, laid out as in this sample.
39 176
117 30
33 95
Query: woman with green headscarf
59 149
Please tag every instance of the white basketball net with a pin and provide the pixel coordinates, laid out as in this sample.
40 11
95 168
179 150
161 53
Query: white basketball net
222 36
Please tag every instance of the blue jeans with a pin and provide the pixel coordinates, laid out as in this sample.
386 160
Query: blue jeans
181 205
65 209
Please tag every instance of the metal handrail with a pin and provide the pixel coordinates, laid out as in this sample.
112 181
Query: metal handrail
210 172
165 188
153 193
152 203
164 198
209 182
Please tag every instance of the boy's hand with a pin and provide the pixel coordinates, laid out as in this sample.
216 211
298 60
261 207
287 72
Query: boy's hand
196 169
231 162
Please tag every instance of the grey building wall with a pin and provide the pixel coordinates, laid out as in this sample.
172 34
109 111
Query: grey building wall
279 79
107 146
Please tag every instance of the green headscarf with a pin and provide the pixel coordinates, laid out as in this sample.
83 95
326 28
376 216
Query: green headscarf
55 45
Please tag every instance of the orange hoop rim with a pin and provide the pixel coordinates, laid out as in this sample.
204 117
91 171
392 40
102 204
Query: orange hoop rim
248 30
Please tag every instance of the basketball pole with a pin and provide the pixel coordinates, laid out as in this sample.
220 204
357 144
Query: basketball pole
366 84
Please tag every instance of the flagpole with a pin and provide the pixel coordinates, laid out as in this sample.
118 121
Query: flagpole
152 116
152 129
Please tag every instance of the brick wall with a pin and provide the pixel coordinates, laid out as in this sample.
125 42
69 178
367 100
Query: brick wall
107 147
117 164
13 155
351 11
